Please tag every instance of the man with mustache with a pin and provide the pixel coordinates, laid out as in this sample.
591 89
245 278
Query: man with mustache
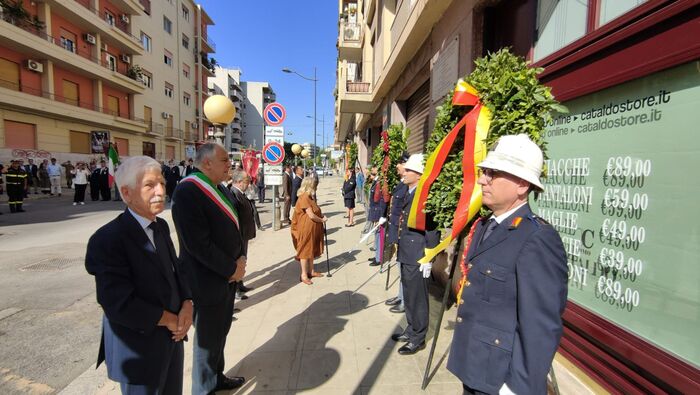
509 316
211 249
140 285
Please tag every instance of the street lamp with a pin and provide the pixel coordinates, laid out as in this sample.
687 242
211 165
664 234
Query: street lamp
296 150
315 80
220 111
323 128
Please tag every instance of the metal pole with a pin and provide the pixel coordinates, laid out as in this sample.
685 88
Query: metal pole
328 263
315 146
455 258
276 224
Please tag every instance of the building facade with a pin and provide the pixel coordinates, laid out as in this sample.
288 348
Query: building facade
628 73
77 74
257 95
227 82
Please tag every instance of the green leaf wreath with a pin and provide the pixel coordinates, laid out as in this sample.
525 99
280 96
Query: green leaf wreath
397 136
519 103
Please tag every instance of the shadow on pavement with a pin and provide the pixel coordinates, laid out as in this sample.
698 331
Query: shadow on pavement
313 362
259 279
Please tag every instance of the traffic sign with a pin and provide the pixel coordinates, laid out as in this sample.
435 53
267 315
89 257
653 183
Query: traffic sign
274 114
273 153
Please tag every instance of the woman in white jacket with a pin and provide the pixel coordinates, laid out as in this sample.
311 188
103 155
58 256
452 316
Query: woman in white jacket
80 181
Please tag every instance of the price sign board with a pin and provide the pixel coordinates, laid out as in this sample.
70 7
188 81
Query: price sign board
621 190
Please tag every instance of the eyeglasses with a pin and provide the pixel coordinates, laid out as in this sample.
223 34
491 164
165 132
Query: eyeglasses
489 174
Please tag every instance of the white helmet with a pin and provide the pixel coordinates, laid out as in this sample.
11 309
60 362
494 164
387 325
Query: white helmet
414 163
516 155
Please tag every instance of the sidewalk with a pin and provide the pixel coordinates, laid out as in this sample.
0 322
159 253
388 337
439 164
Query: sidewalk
332 337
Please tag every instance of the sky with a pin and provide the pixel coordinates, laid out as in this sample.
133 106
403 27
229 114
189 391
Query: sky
261 37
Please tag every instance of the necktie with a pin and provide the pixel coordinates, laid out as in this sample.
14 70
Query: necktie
490 226
169 270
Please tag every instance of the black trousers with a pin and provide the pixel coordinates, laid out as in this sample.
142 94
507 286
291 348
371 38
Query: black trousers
415 300
212 324
170 380
94 191
15 194
105 192
79 193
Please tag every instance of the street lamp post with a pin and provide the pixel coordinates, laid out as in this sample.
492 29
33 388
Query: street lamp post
315 80
220 111
323 128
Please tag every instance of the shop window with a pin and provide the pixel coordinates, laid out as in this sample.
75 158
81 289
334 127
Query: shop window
79 142
20 135
9 74
611 9
559 23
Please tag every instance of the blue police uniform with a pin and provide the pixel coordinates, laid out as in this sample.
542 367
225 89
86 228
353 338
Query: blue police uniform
509 317
411 248
397 199
377 209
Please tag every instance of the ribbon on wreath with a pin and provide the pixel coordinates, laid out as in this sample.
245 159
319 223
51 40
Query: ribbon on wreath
382 190
475 125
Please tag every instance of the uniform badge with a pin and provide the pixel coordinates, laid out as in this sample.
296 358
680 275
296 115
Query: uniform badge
515 223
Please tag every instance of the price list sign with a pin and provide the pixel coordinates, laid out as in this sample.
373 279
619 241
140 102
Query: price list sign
622 189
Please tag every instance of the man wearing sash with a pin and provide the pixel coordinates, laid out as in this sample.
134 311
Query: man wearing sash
211 249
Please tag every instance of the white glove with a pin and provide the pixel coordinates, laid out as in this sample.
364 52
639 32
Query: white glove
382 221
426 268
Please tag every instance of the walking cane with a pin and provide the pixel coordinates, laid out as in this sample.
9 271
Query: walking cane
445 295
328 264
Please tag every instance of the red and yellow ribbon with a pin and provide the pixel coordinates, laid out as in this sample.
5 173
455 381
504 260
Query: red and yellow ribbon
475 125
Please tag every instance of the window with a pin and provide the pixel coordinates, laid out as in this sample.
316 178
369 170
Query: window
79 142
610 10
186 70
9 74
20 135
168 58
122 146
186 99
109 18
147 78
111 61
71 93
185 13
68 40
113 105
559 23
185 41
168 90
146 42
167 25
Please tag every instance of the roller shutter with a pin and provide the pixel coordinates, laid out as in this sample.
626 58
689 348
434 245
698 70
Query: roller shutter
417 112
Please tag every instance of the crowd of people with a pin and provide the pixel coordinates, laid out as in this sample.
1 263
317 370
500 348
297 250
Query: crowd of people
504 339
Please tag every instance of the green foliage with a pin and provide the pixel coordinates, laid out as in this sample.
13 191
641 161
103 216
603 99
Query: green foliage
518 104
353 155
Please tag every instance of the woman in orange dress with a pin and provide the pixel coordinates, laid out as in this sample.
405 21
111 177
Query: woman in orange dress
307 229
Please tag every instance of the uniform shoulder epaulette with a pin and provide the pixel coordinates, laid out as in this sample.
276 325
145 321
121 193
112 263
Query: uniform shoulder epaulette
537 220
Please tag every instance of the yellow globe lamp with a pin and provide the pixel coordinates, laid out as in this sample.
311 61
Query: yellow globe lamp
305 153
296 149
219 110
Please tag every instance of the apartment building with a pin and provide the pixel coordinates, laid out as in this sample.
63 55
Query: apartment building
227 82
77 73
257 95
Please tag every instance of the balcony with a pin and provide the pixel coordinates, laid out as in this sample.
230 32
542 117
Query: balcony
40 102
235 126
115 29
207 66
236 96
190 135
173 133
155 129
350 41
208 45
37 44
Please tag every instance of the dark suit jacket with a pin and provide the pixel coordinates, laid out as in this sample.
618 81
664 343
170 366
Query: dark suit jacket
246 214
376 209
510 324
413 242
210 244
296 184
349 186
286 185
397 201
133 290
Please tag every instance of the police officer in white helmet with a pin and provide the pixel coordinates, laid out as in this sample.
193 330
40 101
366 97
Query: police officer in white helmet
509 315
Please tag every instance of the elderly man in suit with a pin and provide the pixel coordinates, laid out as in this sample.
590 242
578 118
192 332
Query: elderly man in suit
240 182
211 249
414 276
509 316
286 193
141 287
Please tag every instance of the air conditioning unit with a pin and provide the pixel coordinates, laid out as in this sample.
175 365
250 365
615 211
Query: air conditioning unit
34 65
125 58
124 18
165 115
90 39
195 125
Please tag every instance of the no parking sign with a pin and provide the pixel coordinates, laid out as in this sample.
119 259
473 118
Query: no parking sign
274 114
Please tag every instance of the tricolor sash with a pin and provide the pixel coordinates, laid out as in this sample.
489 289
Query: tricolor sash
212 192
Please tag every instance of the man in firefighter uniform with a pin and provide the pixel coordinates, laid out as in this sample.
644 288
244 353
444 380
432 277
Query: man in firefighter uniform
509 316
414 276
397 199
16 179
